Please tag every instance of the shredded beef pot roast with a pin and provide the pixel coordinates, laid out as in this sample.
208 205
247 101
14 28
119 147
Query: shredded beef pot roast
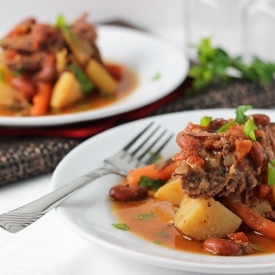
211 165
27 47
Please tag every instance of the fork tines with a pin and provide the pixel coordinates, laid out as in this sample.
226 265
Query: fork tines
151 144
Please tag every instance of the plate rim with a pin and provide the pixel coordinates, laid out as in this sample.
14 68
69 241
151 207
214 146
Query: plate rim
228 268
109 110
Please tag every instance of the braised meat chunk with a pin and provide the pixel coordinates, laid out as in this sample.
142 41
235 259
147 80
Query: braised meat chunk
47 68
220 158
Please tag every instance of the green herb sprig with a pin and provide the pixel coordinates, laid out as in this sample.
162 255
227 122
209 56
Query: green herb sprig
216 66
86 84
205 121
150 183
241 118
2 75
271 172
121 226
145 216
61 22
249 129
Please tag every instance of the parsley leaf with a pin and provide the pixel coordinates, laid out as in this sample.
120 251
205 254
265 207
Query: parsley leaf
249 129
121 226
156 242
86 84
205 121
150 183
162 234
16 73
62 23
271 172
157 76
240 116
215 66
226 126
146 216
2 75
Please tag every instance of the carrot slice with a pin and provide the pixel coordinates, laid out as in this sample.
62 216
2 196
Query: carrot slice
153 171
115 70
252 219
243 147
41 99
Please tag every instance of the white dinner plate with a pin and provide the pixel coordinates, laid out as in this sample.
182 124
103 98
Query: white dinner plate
146 54
88 211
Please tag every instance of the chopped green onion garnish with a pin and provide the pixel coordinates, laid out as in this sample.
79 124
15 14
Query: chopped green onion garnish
225 127
16 73
271 172
2 75
146 216
61 22
205 121
156 76
156 242
249 129
249 126
121 226
162 234
149 183
240 116
86 84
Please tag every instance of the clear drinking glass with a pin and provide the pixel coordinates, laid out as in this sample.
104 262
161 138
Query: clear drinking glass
259 29
218 19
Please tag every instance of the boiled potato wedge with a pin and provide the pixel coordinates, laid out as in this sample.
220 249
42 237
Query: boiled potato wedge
7 94
66 91
80 49
101 77
201 219
61 60
171 192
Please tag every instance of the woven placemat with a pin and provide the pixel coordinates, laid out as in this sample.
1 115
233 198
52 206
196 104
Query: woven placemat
230 96
22 158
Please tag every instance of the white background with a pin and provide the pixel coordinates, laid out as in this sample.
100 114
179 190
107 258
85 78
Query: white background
48 247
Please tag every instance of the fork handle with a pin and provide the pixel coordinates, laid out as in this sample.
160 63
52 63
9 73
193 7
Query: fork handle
16 220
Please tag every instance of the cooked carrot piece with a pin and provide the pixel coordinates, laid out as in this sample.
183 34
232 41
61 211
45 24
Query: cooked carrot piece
243 147
41 100
153 171
252 219
115 70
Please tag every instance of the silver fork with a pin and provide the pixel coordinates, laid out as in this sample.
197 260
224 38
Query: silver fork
131 156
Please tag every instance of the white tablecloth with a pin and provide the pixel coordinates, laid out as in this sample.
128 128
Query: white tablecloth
48 247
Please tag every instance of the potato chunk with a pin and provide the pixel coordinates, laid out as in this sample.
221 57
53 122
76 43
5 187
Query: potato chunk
7 94
171 192
81 49
101 77
66 91
201 219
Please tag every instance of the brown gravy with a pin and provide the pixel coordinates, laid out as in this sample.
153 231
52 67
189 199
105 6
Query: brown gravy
158 229
127 84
